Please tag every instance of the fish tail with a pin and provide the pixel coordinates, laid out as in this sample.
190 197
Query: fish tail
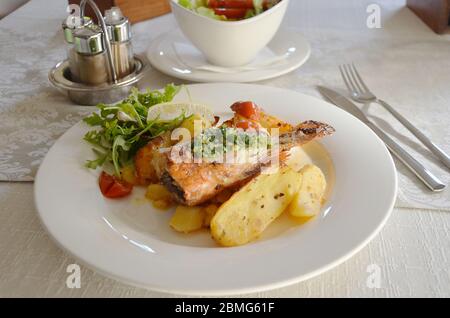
304 133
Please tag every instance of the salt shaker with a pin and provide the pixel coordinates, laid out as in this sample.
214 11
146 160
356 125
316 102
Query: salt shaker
119 34
68 36
90 59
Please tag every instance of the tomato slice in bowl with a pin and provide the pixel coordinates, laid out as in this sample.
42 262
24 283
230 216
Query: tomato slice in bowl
231 13
235 4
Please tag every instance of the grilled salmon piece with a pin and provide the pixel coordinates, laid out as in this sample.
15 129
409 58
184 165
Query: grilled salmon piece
195 183
147 159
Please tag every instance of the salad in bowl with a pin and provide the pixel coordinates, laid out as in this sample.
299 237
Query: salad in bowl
229 33
228 10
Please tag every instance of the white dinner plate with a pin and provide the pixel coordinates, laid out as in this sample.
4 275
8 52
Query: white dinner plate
132 242
173 54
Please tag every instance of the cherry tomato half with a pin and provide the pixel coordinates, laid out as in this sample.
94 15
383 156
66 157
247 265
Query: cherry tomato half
112 187
247 109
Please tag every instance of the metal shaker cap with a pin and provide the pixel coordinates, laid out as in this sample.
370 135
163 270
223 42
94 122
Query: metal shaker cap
118 26
68 30
88 40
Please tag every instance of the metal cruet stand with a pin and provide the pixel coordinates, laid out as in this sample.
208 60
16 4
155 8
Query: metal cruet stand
117 86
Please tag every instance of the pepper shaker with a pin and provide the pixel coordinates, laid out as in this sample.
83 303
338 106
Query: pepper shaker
119 34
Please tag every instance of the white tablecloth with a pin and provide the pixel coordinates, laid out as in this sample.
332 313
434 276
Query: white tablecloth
403 61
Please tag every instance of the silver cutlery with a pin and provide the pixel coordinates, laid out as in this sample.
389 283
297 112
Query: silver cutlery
362 94
430 180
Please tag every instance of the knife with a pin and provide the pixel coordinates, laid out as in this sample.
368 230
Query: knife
430 180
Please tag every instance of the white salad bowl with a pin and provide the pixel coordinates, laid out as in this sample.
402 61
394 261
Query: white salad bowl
229 43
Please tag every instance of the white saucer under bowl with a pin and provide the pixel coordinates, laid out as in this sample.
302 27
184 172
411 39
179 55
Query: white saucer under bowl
173 54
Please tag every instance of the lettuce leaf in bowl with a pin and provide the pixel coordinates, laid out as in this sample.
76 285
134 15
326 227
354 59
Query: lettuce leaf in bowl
187 4
209 13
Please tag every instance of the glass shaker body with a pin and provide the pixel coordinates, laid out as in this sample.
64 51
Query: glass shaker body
119 34
91 69
72 57
71 52
90 60
123 59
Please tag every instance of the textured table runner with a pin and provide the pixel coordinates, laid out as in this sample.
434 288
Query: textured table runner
28 131
397 62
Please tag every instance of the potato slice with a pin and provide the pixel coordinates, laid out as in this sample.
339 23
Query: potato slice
129 174
209 210
308 201
162 205
158 192
187 219
195 124
250 210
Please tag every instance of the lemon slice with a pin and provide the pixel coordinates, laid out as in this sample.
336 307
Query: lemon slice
170 111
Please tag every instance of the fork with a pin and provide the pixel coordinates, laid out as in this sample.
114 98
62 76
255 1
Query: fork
361 93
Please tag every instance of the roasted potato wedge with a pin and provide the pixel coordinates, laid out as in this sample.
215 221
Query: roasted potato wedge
250 210
308 201
128 173
162 204
209 210
158 192
159 196
187 219
191 122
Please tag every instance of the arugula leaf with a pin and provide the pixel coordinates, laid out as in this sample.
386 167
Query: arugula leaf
93 120
119 146
101 158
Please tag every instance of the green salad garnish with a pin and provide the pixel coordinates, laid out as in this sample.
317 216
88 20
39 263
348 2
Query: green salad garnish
122 129
214 143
